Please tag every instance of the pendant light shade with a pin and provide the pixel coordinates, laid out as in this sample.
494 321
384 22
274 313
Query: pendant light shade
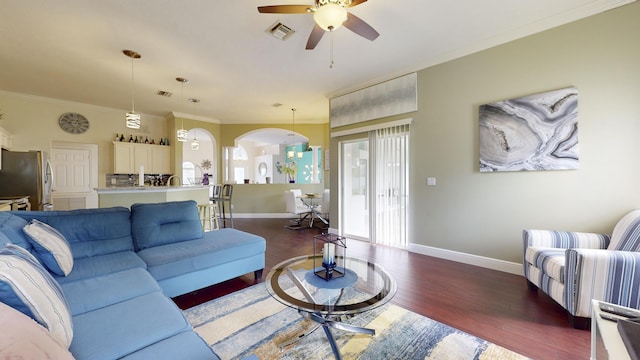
132 118
181 134
195 144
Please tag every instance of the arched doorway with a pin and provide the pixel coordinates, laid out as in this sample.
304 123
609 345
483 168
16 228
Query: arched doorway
265 152
200 159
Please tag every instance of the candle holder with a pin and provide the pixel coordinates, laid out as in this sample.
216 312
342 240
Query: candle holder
334 251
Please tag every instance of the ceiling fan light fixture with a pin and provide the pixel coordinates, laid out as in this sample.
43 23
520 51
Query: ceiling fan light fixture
330 16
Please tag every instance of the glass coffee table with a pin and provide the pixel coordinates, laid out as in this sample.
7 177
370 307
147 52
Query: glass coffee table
363 287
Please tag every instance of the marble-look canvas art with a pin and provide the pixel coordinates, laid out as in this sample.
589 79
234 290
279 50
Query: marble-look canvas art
535 132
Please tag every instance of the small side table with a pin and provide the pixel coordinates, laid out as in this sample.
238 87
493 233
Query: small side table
606 342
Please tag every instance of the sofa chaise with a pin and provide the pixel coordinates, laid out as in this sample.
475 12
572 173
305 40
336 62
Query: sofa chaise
575 267
107 294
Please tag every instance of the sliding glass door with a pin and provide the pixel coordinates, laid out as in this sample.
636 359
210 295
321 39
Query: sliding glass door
354 189
374 186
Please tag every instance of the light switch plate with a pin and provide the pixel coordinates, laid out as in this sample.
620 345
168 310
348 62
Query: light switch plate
431 181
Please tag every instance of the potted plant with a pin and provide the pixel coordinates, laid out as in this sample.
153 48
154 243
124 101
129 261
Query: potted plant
290 170
206 165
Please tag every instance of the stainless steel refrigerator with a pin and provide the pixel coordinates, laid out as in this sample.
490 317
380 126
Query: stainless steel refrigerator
27 173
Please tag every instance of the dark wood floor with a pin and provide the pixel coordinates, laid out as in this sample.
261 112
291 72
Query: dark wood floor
492 305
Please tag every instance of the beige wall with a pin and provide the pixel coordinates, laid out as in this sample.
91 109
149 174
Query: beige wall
484 214
469 212
266 199
33 122
175 123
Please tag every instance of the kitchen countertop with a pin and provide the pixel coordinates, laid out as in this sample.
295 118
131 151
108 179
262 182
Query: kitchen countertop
138 189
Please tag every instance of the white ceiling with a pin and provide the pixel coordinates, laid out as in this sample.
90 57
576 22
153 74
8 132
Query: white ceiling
72 50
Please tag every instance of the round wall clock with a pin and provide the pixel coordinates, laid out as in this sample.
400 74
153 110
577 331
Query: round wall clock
73 123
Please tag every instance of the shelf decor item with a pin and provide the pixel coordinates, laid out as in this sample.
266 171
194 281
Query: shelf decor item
334 252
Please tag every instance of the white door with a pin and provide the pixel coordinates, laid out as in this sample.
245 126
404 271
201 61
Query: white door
75 171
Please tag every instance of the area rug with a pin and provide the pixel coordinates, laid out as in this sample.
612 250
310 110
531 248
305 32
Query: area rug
251 323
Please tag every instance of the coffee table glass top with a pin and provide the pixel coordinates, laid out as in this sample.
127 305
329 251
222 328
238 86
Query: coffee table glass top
364 286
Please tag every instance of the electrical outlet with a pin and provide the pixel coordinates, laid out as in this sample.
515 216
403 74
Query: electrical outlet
431 181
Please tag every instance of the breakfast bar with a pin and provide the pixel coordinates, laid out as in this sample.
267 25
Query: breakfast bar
126 196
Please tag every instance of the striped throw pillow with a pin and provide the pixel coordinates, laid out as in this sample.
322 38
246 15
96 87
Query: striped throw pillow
29 288
51 247
626 233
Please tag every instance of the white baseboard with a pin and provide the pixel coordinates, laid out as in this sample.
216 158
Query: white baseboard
482 261
264 215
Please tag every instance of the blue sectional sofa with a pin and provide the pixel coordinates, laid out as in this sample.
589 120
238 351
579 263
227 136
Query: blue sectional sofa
126 266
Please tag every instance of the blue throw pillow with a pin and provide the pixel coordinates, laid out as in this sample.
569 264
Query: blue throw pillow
51 247
29 288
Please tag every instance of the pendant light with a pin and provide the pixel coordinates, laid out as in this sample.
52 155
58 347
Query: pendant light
182 133
291 153
132 118
299 154
195 144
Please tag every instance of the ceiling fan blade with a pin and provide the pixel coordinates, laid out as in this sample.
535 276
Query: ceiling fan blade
314 37
284 9
360 27
356 2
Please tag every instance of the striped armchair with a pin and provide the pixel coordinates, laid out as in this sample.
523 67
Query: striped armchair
573 267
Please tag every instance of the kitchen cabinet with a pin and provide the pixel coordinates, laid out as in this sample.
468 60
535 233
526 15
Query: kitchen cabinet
160 160
123 158
128 157
5 139
5 142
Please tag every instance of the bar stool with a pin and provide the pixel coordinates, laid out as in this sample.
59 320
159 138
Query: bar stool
216 196
209 216
225 198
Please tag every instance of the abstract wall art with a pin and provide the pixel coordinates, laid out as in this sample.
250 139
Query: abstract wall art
535 132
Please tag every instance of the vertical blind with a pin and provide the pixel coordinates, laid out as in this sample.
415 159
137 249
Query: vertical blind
390 185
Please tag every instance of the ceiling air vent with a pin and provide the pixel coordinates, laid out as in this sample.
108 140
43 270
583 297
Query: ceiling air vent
280 30
164 93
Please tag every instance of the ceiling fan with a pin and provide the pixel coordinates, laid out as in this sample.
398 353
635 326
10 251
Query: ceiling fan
329 15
